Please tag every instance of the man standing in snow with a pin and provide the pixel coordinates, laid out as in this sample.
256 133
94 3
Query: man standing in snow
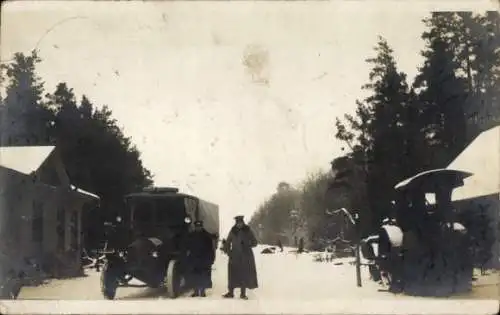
242 271
280 245
300 250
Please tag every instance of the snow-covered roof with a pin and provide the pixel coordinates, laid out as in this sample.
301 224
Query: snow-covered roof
28 159
482 159
25 159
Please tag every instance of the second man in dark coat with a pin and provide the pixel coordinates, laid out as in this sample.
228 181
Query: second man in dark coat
201 255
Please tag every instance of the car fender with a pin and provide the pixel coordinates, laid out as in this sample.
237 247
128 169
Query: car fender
390 240
369 247
395 235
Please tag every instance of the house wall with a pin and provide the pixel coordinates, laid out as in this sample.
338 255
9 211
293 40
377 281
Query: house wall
73 244
21 195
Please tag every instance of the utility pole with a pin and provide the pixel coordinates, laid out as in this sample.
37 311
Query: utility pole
363 169
355 222
358 254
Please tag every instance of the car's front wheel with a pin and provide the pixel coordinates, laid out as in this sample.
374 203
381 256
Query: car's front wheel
173 279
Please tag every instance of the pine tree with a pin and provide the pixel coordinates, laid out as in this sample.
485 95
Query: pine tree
86 108
26 119
443 97
473 43
69 132
378 134
97 155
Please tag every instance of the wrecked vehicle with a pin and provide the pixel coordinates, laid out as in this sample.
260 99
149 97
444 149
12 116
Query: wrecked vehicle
422 249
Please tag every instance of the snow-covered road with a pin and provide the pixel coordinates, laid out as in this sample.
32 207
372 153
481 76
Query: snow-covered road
281 276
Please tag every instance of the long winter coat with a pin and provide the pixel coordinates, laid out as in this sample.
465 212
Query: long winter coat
242 272
201 256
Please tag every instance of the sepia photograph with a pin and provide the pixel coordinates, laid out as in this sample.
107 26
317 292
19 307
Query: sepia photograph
249 157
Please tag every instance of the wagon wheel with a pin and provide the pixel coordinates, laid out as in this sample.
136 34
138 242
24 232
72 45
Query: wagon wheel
173 279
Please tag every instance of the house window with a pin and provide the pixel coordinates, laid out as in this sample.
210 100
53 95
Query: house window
37 222
61 235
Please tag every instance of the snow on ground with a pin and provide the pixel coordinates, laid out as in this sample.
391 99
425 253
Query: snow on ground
288 283
286 276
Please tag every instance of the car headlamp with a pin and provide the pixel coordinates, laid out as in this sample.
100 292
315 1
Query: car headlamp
187 220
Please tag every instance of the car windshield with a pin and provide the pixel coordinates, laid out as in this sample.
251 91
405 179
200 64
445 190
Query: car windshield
170 211
159 211
144 211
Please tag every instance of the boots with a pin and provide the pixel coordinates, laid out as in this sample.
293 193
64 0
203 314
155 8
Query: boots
230 294
199 292
243 294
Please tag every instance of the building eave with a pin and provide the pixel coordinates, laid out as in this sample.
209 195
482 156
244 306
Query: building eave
84 192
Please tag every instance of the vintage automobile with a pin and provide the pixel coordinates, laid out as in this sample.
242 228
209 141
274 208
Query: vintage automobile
421 248
150 246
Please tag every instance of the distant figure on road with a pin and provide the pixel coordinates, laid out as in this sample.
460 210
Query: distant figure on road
201 253
242 272
280 245
300 250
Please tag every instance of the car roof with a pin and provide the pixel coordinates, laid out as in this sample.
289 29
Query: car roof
429 179
158 195
158 192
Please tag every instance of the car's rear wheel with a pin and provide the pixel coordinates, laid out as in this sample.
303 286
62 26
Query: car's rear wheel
374 272
109 281
173 279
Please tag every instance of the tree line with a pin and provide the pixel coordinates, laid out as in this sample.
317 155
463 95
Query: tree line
402 127
97 155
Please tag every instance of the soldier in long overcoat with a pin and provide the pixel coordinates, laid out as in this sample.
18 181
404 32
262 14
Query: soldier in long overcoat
242 272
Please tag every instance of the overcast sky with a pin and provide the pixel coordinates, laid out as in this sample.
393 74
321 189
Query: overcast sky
224 100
